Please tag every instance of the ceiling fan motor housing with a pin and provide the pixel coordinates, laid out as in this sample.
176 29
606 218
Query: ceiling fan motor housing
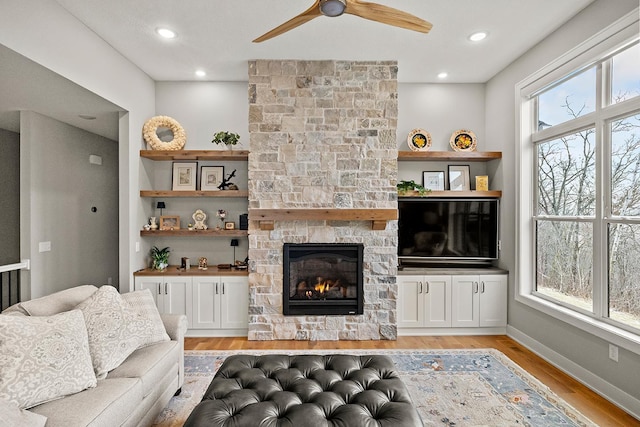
332 7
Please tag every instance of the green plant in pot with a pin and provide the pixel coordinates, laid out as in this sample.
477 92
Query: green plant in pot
405 187
229 139
160 258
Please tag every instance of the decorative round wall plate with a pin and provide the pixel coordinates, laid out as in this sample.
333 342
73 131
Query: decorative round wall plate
463 140
419 140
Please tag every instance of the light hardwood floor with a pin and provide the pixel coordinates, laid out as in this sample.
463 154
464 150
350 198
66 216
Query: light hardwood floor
580 397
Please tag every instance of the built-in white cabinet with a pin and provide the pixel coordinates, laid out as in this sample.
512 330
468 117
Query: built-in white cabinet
220 302
424 301
479 301
169 292
452 301
211 303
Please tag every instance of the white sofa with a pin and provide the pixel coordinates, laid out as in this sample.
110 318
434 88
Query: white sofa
133 393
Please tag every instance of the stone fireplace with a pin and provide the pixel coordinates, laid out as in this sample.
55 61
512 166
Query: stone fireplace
322 279
322 151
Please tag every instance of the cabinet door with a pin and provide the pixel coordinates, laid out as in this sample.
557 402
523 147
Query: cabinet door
465 308
234 302
410 306
174 295
437 301
154 284
206 303
493 300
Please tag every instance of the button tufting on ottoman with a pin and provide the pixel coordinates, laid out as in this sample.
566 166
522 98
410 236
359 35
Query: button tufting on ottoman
306 391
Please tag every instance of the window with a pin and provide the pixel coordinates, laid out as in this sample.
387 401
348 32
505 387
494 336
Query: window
580 154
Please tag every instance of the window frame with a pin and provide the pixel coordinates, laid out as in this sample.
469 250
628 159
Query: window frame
592 52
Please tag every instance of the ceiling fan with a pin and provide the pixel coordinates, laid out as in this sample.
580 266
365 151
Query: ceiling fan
372 11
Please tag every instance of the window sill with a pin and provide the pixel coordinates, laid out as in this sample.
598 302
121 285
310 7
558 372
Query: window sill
610 333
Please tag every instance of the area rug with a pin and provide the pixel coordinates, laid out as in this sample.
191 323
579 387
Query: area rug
479 387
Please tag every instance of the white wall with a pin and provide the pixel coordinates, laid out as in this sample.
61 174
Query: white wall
577 351
81 56
62 186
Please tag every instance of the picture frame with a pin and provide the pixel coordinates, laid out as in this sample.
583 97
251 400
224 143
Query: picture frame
433 180
482 183
459 178
229 225
184 176
211 177
169 222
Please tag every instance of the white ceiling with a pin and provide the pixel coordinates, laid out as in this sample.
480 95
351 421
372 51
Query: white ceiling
216 36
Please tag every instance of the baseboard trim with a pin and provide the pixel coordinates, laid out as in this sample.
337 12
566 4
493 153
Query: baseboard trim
605 389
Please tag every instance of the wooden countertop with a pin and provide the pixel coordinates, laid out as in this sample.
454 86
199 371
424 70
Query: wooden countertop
174 270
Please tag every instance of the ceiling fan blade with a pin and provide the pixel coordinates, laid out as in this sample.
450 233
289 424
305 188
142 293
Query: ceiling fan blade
387 15
306 16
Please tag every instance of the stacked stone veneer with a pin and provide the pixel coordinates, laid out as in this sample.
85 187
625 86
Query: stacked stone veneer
322 135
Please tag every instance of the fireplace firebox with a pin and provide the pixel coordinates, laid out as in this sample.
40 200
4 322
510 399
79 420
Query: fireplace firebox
322 279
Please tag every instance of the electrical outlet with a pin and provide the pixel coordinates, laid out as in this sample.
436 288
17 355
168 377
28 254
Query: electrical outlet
613 352
44 246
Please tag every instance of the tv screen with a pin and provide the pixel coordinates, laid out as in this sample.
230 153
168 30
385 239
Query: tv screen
448 230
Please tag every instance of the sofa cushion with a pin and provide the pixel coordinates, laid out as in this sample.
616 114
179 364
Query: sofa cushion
109 404
114 329
143 304
150 364
43 358
12 415
59 301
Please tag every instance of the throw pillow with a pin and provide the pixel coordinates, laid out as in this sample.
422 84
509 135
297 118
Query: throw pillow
58 302
11 415
114 329
143 304
43 358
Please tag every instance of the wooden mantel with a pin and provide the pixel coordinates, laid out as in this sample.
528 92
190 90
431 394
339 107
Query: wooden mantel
378 217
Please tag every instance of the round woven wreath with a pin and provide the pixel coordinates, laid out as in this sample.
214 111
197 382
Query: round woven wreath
151 137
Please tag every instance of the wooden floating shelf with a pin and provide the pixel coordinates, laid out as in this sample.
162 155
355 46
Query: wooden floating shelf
195 233
168 193
470 156
466 194
378 217
222 155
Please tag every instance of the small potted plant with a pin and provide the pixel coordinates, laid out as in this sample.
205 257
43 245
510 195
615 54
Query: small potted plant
159 258
229 139
406 187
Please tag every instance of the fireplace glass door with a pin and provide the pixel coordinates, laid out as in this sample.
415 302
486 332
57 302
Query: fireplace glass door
322 279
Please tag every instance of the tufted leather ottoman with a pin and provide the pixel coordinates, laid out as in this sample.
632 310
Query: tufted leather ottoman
305 391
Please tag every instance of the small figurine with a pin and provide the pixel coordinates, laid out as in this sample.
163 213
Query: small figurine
152 223
202 263
221 213
226 184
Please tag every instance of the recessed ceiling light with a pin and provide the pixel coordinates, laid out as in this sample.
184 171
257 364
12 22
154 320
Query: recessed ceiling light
476 37
200 73
166 33
442 75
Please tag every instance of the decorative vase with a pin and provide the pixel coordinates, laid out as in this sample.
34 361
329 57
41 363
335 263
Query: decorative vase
153 223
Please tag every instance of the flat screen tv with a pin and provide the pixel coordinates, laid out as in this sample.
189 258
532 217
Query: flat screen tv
448 230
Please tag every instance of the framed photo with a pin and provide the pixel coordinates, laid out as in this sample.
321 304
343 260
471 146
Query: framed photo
229 225
184 176
459 178
482 183
433 180
211 177
169 222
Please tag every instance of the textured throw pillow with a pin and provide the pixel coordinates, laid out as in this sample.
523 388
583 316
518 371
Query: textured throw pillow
43 358
115 330
12 416
143 304
58 302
